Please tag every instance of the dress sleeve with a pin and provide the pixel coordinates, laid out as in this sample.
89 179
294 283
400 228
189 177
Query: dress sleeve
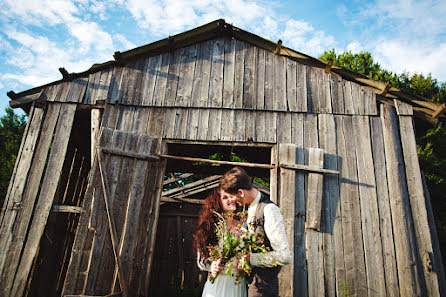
275 231
202 263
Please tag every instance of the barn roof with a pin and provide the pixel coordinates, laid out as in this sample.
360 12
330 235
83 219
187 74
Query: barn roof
425 110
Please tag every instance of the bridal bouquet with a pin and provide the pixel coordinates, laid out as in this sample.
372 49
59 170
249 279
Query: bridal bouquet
232 244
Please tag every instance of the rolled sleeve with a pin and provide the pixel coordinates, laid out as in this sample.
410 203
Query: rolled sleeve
275 231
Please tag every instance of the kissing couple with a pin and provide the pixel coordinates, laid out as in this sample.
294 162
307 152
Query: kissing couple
227 277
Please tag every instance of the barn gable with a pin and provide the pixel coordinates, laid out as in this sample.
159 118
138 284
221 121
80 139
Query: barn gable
365 225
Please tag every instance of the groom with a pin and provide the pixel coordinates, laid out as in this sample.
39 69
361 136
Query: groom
264 218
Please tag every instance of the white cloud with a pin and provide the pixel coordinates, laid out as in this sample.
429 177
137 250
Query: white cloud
300 35
355 47
403 35
412 57
123 43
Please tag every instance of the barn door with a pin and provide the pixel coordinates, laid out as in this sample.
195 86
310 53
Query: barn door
114 242
302 181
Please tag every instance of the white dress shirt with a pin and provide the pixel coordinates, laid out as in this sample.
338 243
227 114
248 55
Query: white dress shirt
275 231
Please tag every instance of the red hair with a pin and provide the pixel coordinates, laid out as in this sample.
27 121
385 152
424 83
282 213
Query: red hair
204 234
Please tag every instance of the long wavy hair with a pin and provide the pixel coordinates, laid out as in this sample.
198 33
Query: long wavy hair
204 234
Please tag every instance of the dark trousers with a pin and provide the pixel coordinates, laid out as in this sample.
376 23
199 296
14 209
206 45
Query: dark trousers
263 288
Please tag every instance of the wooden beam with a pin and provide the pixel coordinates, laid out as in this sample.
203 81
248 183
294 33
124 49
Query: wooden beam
309 168
183 176
129 154
439 111
386 88
257 165
66 208
328 66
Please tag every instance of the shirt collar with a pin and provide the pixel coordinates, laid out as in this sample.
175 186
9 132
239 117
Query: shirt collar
256 200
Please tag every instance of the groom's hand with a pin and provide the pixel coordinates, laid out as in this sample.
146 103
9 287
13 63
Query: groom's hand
244 258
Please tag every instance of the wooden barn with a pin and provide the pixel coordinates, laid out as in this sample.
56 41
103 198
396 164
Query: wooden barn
115 163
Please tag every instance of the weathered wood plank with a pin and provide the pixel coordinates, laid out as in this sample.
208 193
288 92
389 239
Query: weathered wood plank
216 78
13 207
350 210
403 108
200 84
49 185
213 132
260 79
172 78
314 239
269 80
289 278
271 127
370 101
103 86
349 107
163 75
77 90
284 122
302 88
418 205
260 126
156 125
435 243
239 124
181 125
134 93
369 208
358 99
240 49
408 274
192 124
312 90
330 224
169 123
227 125
382 193
249 125
280 90
63 91
149 76
188 57
325 93
337 93
115 83
291 84
250 85
6 202
92 87
229 72
128 72
314 199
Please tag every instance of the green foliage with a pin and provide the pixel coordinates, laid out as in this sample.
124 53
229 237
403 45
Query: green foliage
11 130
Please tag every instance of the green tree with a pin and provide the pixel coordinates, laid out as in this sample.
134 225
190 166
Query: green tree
11 130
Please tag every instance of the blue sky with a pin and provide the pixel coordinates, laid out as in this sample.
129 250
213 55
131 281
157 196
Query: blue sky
39 36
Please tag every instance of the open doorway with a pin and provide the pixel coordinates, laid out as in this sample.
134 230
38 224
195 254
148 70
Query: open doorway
185 187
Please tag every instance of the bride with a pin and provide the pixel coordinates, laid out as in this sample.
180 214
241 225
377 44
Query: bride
223 285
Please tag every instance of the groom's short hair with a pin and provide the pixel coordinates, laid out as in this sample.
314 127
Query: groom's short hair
234 180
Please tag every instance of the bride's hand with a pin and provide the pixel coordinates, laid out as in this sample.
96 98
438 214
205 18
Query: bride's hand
215 267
